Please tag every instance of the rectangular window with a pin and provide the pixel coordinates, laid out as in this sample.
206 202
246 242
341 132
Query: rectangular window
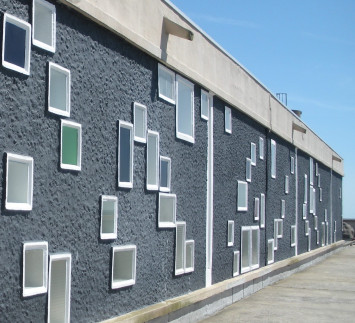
293 235
276 227
261 148
323 234
205 98
185 126
311 170
248 170
35 268
304 211
44 25
280 228
253 153
242 196
190 256
335 232
326 215
340 192
305 196
318 180
314 200
315 222
311 201
125 155
270 251
306 227
250 241
273 158
167 210
59 288
70 149
165 174
59 83
309 239
255 245
287 184
327 232
123 266
236 260
317 172
320 195
262 210
166 84
140 122
180 248
227 120
152 160
317 233
292 165
108 217
16 44
230 240
256 208
283 209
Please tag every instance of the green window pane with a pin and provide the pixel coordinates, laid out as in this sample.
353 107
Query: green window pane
70 140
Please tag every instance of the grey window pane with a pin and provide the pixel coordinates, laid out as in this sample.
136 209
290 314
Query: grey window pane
125 154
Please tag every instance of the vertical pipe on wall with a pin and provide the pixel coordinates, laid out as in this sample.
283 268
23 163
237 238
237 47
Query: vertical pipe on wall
296 200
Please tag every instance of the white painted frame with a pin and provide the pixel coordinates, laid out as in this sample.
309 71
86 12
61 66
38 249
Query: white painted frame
276 227
273 159
320 195
253 153
306 227
152 182
236 263
283 209
111 235
280 228
165 221
164 70
271 249
304 211
227 120
205 103
316 223
261 148
248 164
256 209
137 107
287 184
165 188
242 204
230 233
292 166
311 170
189 255
180 244
129 126
245 267
251 248
293 235
262 210
323 234
119 283
70 124
305 196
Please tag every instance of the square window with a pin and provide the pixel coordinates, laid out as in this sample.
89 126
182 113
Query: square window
261 148
205 102
306 227
166 84
19 182
108 217
273 158
248 170
44 25
242 196
227 120
59 90
165 174
140 122
190 256
256 208
287 184
125 154
180 248
35 268
293 235
292 165
283 209
70 149
236 260
167 210
253 153
270 251
16 44
152 160
262 210
230 234
185 126
123 266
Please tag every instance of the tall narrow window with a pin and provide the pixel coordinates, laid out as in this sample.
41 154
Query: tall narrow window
108 217
317 172
286 184
318 180
311 171
185 126
152 160
166 84
283 209
317 234
227 120
306 227
326 215
305 196
320 195
323 234
293 235
261 148
311 200
190 256
165 174
58 90
205 98
276 227
315 222
248 170
180 248
256 209
309 239
262 210
230 233
242 196
19 182
253 153
167 210
236 260
123 271
16 44
255 245
125 155
270 251
304 211
70 149
273 158
44 25
140 122
280 229
59 288
292 165
250 242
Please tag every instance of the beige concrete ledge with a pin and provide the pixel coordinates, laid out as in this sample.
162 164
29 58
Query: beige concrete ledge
217 296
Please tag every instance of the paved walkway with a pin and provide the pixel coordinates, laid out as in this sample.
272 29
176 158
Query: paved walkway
322 293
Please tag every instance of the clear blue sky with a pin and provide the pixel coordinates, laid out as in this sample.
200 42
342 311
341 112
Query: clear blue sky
304 48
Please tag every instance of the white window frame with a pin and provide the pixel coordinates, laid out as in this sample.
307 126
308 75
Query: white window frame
230 233
179 134
283 209
205 116
20 206
162 68
273 158
191 268
25 26
127 125
261 148
293 235
113 235
253 153
304 211
178 270
165 188
153 186
292 170
242 184
172 222
39 246
67 258
228 120
311 200
36 42
248 164
316 223
115 257
326 215
280 228
66 72
309 239
306 227
262 210
272 250
320 195
137 106
66 123
317 234
305 196
236 263
323 234
314 201
287 184
318 180
256 209
251 248
311 171
275 234
317 170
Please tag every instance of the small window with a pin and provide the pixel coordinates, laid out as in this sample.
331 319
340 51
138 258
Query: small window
242 196
335 231
59 90
340 192
190 256
311 200
180 248
262 210
293 235
315 222
59 288
227 120
236 259
248 170
317 233
287 184
152 160
167 210
311 170
205 101
123 266
70 149
270 251
305 196
125 155
165 174
16 44
140 122
230 240
185 126
256 208
255 237
250 241
261 148
280 228
276 227
306 227
44 25
304 211
326 215
273 158
253 153
283 209
309 239
292 165
314 200
317 172
323 234
166 84
35 268
320 195
108 217
318 180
